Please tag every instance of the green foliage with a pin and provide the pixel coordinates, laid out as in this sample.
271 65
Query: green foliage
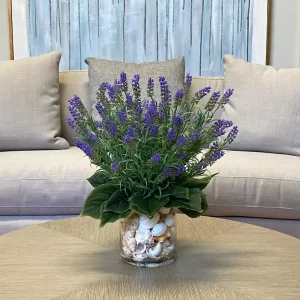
150 153
96 199
97 179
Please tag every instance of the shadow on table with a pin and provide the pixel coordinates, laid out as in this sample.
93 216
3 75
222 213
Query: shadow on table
198 263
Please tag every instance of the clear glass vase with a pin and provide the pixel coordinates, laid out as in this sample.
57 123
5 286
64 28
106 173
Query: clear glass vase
149 242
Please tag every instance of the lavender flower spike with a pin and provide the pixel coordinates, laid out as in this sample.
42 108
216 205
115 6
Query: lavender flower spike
226 97
123 81
155 159
181 141
150 88
232 134
179 95
171 135
85 147
188 80
114 166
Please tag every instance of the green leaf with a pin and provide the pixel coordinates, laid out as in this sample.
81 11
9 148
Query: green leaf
111 217
180 192
97 179
96 198
133 199
118 202
149 205
199 183
192 207
176 191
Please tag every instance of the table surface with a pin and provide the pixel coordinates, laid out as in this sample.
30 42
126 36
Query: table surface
217 259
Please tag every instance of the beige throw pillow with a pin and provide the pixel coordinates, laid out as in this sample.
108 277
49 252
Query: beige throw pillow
29 104
265 106
101 70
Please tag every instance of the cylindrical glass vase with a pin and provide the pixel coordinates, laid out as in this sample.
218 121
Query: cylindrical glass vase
149 242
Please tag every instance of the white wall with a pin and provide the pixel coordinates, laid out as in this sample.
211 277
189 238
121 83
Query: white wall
4 37
285 31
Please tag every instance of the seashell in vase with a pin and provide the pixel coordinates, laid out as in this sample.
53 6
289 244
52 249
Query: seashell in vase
164 236
129 234
140 248
170 220
130 243
132 223
155 251
159 229
146 223
165 210
143 236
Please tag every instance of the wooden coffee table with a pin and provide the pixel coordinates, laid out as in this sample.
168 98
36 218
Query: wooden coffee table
217 259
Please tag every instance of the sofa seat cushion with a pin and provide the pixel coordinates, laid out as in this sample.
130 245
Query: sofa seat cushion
254 184
50 182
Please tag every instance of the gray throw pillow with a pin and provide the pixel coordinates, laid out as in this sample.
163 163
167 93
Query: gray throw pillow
101 70
29 101
265 106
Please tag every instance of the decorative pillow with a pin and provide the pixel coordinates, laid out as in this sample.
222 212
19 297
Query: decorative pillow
101 70
265 106
29 100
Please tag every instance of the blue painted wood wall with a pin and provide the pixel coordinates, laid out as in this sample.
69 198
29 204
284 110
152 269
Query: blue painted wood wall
142 30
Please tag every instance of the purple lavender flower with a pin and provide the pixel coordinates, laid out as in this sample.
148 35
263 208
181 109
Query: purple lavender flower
182 155
123 81
232 134
195 137
129 101
215 156
202 93
226 97
130 131
122 115
128 139
150 88
188 80
112 129
136 87
179 170
147 119
155 159
114 166
139 109
164 91
219 127
92 137
202 165
213 101
177 120
111 90
168 172
71 122
152 109
99 124
100 109
181 141
74 108
171 135
215 145
85 147
153 130
179 95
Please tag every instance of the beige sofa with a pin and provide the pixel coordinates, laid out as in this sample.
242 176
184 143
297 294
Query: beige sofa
38 186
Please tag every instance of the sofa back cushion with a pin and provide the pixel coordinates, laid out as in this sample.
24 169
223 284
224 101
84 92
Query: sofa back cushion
265 106
77 83
29 101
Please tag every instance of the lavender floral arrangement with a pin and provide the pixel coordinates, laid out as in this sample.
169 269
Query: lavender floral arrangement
150 154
